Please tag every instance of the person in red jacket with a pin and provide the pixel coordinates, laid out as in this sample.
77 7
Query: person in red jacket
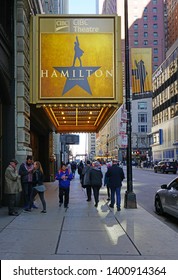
64 177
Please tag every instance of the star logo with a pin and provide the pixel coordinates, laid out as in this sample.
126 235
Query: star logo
77 75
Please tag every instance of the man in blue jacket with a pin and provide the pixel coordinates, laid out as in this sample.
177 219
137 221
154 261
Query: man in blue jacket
115 175
64 177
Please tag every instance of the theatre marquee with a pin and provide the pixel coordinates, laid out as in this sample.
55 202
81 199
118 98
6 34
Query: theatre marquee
76 68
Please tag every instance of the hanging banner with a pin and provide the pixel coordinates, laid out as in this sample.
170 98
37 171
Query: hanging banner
141 60
122 127
124 140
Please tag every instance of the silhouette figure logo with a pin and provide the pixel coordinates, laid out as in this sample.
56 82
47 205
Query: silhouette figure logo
140 74
78 52
77 75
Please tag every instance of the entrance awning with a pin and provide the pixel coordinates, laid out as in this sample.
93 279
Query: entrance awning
79 117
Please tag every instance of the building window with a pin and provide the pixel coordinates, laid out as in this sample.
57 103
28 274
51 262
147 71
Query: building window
145 42
155 42
135 26
155 59
154 2
145 34
135 34
135 43
155 26
145 10
155 34
142 128
154 10
155 18
145 17
142 106
145 26
155 50
155 67
142 118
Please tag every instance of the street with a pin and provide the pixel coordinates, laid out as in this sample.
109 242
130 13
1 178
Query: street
145 185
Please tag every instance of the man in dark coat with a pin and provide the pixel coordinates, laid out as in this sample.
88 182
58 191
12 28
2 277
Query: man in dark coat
96 176
116 175
86 179
80 168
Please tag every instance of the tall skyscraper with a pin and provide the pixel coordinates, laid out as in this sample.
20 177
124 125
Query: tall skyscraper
109 7
146 25
172 22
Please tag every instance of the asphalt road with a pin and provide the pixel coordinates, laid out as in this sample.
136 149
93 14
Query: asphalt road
145 185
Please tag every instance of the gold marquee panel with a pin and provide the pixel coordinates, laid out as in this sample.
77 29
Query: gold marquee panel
76 69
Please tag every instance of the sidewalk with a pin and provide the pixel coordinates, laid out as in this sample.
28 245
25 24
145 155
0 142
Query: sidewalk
85 232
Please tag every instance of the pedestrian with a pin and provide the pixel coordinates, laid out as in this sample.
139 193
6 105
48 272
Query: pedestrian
64 177
26 173
96 176
12 186
38 187
116 175
80 168
86 179
106 183
73 168
69 167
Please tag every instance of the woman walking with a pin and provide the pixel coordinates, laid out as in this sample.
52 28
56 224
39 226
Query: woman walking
38 187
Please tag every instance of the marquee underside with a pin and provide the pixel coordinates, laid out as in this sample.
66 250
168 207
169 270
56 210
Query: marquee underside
79 117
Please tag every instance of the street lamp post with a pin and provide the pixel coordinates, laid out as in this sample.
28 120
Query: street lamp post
130 197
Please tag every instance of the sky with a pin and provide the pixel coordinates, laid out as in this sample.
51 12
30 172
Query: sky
82 6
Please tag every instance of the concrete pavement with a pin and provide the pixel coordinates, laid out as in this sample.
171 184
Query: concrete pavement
85 232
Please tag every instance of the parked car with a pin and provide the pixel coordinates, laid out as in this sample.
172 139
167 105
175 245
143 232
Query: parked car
134 163
166 199
165 167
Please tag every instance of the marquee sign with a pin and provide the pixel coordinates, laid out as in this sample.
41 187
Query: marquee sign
76 60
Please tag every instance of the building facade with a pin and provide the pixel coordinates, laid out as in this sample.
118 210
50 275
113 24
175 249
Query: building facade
165 93
165 108
172 22
7 98
146 21
24 129
91 145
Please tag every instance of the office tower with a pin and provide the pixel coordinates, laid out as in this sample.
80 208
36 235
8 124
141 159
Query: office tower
146 25
172 22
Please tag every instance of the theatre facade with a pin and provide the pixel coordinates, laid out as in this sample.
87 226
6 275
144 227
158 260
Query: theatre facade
63 75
